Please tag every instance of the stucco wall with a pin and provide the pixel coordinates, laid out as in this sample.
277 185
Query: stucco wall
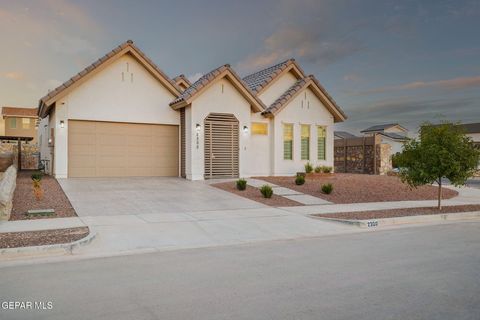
216 100
277 88
136 97
313 113
259 162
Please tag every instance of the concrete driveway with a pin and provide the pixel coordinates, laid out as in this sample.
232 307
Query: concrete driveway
131 196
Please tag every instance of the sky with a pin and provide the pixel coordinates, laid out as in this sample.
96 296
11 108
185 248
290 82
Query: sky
383 61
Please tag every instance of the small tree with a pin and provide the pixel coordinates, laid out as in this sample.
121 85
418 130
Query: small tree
442 151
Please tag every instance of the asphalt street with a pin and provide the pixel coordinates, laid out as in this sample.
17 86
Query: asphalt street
428 272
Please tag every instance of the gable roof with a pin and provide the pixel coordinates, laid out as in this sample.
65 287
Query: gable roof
181 80
382 127
260 80
209 78
317 89
127 47
471 127
394 136
344 134
19 112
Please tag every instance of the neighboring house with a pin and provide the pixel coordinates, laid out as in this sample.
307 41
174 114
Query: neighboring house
19 122
344 135
122 116
393 134
473 131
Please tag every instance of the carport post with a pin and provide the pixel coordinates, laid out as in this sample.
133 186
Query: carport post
19 154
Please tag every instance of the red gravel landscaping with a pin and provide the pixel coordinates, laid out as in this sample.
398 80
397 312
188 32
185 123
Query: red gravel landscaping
40 238
357 188
394 213
53 198
254 194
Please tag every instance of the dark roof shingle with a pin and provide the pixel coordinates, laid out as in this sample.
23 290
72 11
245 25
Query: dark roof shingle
381 127
19 112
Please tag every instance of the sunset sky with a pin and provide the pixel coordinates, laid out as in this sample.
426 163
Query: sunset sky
382 61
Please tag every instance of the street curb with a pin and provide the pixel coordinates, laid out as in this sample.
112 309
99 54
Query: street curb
404 220
60 248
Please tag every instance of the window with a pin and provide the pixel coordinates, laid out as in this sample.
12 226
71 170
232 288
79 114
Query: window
287 141
305 142
321 142
25 123
260 128
13 123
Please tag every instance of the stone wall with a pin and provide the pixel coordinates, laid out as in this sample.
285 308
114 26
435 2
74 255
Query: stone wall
362 155
30 154
7 187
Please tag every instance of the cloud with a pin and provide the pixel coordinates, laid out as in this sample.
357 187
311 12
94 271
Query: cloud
450 84
194 77
14 75
351 77
412 112
310 33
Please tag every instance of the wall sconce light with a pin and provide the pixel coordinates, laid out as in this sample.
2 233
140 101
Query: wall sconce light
198 127
245 129
62 124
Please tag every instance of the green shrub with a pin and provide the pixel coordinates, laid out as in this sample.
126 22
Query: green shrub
37 176
327 169
327 188
308 167
318 169
241 184
266 191
299 180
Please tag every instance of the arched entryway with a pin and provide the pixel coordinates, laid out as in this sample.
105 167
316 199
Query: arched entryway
221 146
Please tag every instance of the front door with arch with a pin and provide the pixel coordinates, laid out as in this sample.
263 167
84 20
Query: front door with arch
221 146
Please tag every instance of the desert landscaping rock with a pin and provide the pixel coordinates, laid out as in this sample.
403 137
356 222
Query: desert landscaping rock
253 193
39 238
54 198
357 188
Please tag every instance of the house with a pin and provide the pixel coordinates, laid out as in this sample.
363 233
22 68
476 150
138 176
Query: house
343 135
19 122
472 130
393 134
123 116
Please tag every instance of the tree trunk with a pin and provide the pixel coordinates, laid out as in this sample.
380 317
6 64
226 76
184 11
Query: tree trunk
440 194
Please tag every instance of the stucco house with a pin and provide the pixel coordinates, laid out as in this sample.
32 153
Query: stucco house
19 122
123 116
392 133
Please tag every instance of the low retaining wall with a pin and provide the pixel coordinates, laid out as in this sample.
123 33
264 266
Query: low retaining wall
7 187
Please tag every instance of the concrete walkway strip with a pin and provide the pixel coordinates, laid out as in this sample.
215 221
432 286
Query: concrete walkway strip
307 199
282 191
257 183
41 224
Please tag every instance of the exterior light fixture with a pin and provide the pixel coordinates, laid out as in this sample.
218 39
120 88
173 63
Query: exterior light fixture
198 127
62 124
245 129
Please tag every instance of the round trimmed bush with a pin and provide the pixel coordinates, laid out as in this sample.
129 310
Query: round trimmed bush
241 184
299 180
327 188
267 191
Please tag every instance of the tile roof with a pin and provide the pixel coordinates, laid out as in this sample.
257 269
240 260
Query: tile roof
291 92
19 112
382 127
471 127
260 79
394 136
344 134
181 77
96 64
207 78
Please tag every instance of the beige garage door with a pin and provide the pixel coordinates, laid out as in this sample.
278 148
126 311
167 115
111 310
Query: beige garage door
109 149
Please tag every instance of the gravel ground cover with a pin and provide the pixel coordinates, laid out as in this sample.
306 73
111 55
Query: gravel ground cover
253 193
39 238
54 198
357 188
394 213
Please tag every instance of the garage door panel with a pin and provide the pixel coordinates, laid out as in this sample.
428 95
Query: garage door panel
122 149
